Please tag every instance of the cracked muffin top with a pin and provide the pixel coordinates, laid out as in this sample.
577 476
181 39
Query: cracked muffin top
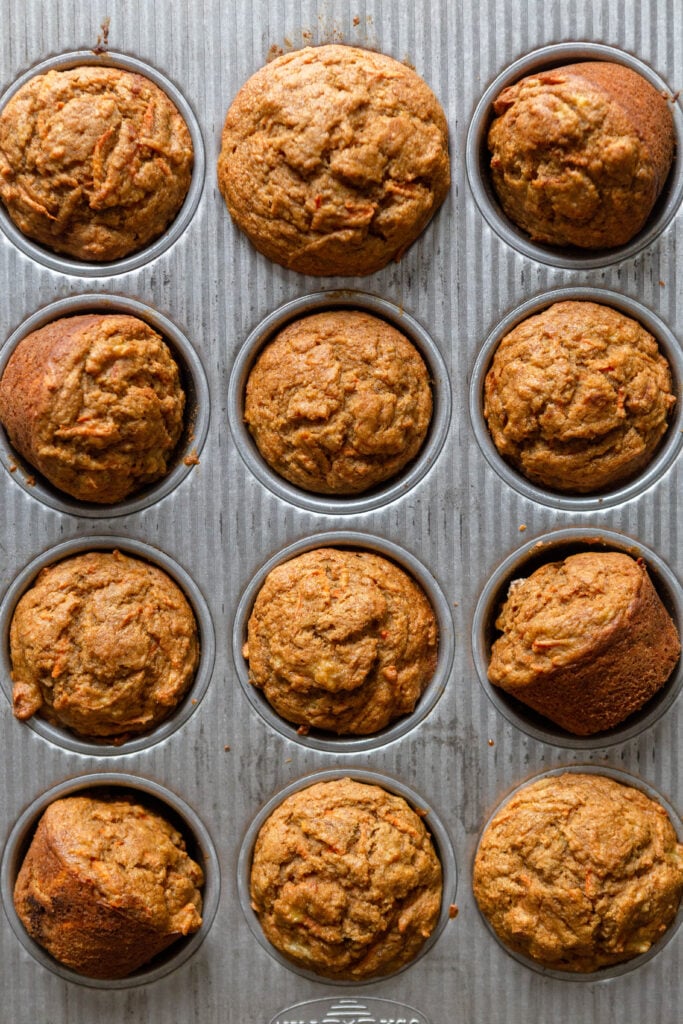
579 872
338 402
345 880
102 644
334 159
341 640
94 403
95 162
579 154
578 397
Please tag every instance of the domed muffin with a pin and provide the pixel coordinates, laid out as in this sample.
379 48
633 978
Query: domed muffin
338 402
345 880
578 872
95 403
334 159
579 154
95 162
341 640
107 885
578 397
585 641
102 644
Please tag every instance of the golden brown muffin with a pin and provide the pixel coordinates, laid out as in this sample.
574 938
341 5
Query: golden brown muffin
106 885
586 641
338 402
102 644
334 159
341 640
581 153
95 404
579 872
578 397
95 162
345 880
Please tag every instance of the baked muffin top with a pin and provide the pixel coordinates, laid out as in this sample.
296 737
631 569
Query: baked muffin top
334 159
95 162
579 872
338 402
345 880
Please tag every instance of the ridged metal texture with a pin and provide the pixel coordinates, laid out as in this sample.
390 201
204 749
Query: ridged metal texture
221 524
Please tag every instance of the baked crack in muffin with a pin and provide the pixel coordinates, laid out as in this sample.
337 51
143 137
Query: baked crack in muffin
585 641
334 159
95 162
341 640
345 880
102 644
578 872
579 154
578 397
107 885
95 404
338 402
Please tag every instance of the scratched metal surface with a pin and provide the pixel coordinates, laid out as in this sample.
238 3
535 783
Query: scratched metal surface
221 523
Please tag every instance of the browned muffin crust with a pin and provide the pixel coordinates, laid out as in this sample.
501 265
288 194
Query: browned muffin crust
578 397
106 885
341 640
581 153
94 403
579 872
334 159
338 402
586 641
345 880
103 644
95 162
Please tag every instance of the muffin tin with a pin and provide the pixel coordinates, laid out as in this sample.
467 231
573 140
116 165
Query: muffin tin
458 519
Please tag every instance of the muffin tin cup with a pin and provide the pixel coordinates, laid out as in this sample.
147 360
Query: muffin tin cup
317 738
385 492
670 445
435 828
60 735
617 970
199 846
520 564
478 159
195 417
82 268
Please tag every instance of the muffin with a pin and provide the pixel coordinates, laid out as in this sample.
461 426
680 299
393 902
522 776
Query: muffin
578 397
95 404
585 641
102 644
341 640
579 154
95 162
578 872
345 880
106 885
334 159
338 402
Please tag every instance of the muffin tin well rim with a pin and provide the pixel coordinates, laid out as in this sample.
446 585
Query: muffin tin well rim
626 778
435 827
196 415
317 739
476 160
542 548
669 446
25 825
67 265
61 736
387 491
